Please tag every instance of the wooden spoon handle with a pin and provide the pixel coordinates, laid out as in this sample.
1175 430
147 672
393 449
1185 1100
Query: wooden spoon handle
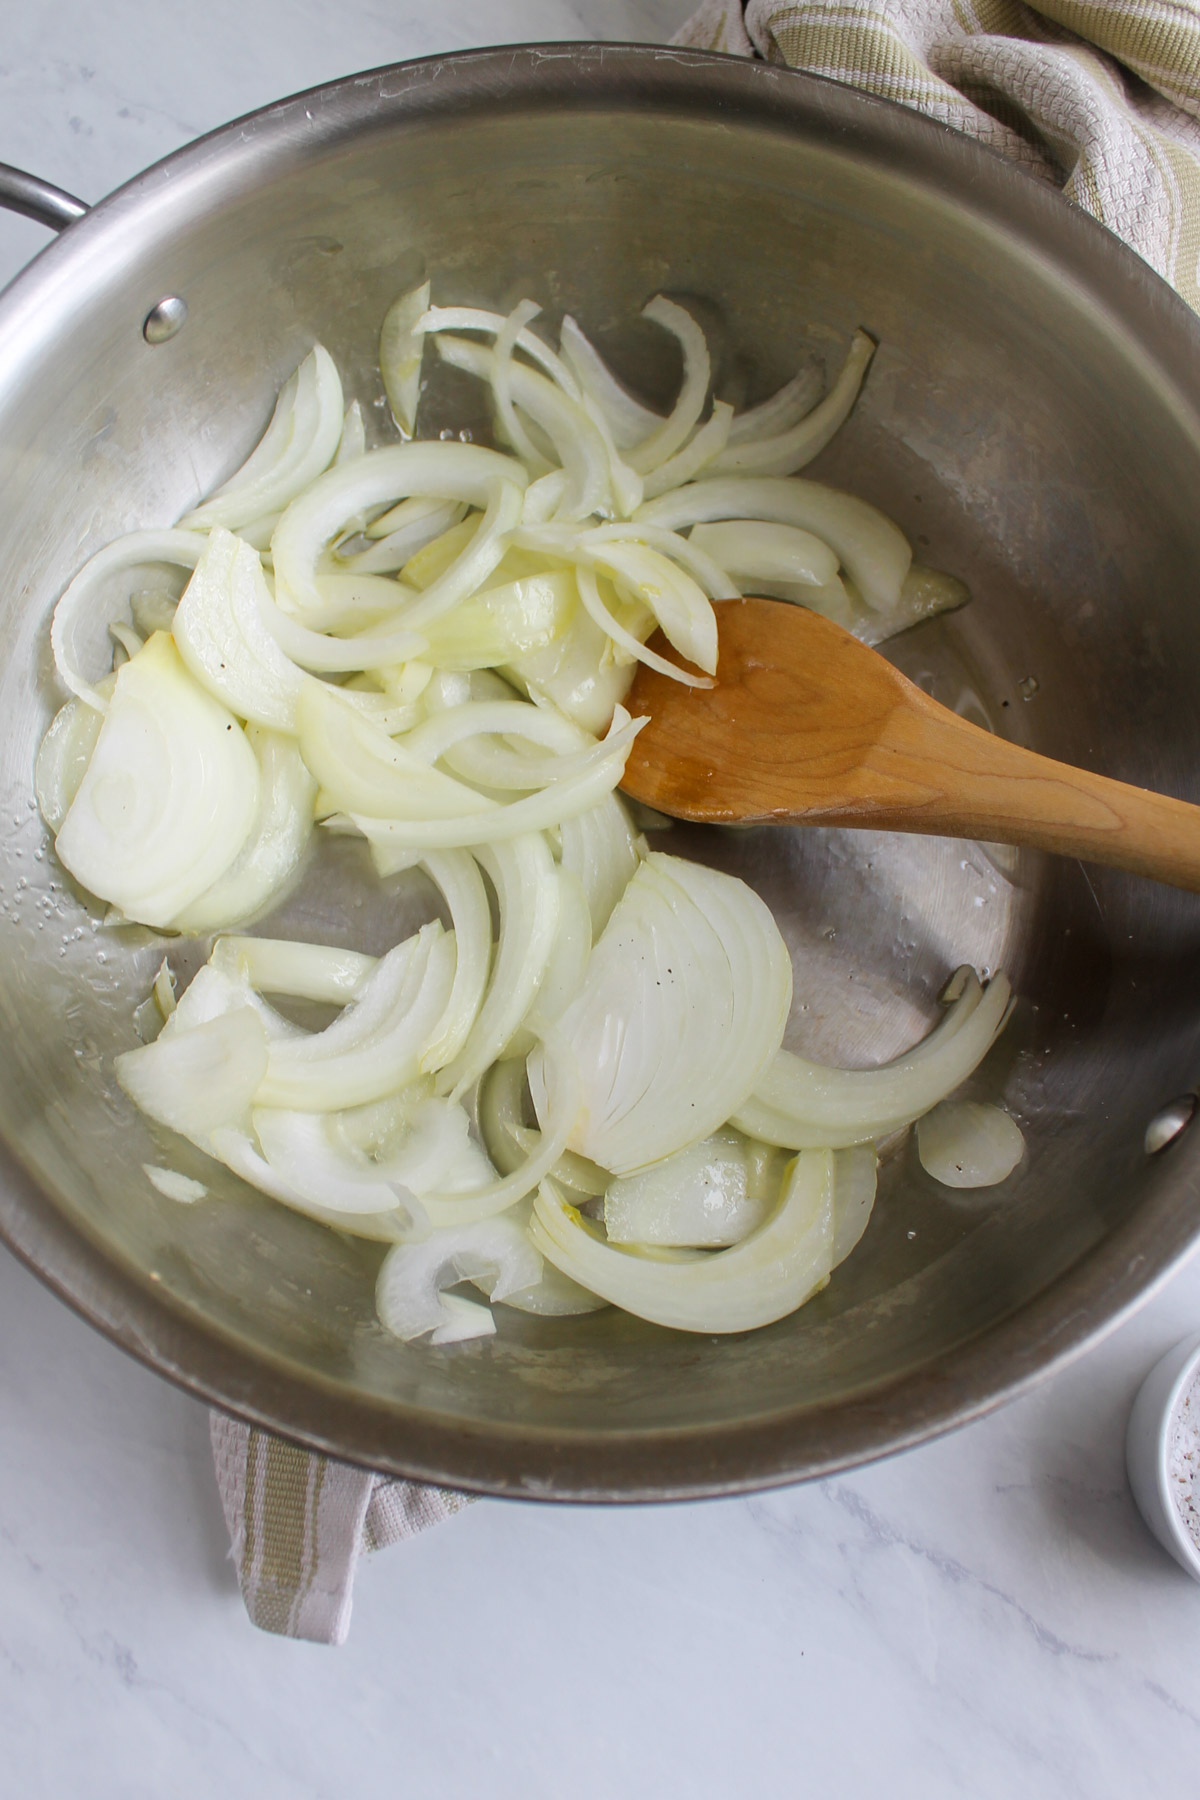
806 725
930 771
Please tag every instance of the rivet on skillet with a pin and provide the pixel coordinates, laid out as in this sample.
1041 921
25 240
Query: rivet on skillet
164 320
1167 1124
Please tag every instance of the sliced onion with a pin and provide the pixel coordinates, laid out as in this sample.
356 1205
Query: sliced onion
221 632
353 441
301 1152
421 1141
394 839
401 345
645 1051
544 497
796 446
353 602
601 848
627 486
527 893
703 448
629 421
300 443
568 541
164 990
441 471
801 1104
153 609
501 623
834 600
90 603
456 873
362 770
500 1104
768 1275
668 592
213 992
64 755
679 604
573 674
487 718
305 971
198 1080
577 443
173 1185
429 563
964 1144
237 1150
856 1176
410 527
271 856
607 622
782 410
677 427
752 550
474 318
377 1043
169 796
924 594
873 551
564 970
554 1296
371 649
684 1005
259 532
698 1197
126 641
510 424
408 1295
557 1110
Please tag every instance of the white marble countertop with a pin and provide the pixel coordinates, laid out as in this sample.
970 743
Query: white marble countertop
982 1618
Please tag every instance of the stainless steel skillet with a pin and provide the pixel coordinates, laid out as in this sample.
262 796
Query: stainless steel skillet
1033 421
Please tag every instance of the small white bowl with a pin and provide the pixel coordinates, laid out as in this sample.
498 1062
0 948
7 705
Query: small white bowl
1148 1444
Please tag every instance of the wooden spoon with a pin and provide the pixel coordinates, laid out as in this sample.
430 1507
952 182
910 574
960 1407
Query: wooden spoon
807 725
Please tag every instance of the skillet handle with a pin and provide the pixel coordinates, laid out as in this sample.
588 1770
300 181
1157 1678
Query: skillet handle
22 193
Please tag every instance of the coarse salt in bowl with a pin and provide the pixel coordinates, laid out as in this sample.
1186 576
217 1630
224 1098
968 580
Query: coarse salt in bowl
1162 1453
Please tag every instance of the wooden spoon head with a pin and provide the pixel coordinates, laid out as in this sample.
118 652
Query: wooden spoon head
797 707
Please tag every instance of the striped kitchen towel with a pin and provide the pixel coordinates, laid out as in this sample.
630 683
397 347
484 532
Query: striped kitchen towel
1099 97
298 1523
